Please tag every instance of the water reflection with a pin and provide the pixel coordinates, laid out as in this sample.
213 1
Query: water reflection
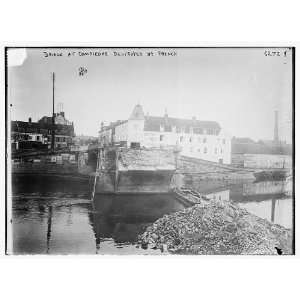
270 200
48 221
57 217
123 218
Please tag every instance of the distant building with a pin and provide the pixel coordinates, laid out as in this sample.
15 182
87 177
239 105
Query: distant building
262 154
200 139
38 135
82 142
59 118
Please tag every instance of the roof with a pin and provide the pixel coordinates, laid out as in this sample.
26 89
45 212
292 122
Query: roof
137 113
45 119
113 125
153 124
242 140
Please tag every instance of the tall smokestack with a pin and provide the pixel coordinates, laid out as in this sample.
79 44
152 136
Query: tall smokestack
276 138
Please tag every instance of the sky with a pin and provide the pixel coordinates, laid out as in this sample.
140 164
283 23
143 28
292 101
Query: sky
238 87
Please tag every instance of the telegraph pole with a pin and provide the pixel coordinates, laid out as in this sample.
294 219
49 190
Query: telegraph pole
53 116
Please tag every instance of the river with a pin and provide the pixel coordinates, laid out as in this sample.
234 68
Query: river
55 216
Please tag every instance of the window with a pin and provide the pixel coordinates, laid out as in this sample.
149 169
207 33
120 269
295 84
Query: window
191 139
38 138
161 137
204 140
181 139
205 150
198 130
224 141
221 150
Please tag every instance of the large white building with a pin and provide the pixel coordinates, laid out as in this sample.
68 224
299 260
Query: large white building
200 139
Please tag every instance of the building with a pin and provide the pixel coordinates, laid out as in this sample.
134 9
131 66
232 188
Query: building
59 118
38 135
200 139
263 153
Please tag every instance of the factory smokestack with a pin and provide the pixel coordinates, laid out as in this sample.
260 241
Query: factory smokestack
276 138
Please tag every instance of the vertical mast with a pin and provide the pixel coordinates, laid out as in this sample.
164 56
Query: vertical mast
53 116
276 137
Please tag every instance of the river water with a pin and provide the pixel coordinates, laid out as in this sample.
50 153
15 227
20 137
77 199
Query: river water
56 216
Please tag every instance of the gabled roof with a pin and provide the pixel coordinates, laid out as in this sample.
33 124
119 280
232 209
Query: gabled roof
153 124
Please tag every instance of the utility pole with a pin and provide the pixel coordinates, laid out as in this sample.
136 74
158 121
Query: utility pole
53 116
276 137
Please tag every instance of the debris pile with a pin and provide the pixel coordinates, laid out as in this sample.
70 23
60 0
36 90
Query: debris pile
217 227
140 158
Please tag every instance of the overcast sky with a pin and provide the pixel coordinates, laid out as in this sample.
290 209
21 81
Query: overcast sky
239 88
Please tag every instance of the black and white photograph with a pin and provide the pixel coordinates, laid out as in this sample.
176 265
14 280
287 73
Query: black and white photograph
150 150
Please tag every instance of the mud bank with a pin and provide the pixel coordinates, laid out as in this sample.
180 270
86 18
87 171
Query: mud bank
217 227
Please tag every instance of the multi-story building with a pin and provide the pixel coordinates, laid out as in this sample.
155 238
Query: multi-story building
27 135
200 139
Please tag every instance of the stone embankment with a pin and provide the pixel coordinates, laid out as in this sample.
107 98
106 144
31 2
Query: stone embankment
217 227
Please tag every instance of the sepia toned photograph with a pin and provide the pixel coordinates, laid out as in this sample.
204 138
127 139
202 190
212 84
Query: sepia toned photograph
150 151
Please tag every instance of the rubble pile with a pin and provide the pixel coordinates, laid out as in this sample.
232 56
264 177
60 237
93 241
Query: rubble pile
136 158
217 227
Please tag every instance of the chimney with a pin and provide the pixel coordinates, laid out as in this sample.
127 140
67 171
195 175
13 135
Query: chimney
166 116
166 113
276 138
29 120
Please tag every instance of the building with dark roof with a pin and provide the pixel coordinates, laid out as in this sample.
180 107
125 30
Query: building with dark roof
195 138
38 135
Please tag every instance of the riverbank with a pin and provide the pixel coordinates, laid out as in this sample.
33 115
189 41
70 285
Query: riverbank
217 227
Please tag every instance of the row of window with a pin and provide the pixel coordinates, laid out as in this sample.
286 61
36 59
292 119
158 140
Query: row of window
205 150
181 139
196 130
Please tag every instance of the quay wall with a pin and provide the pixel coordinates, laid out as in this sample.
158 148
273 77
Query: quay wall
259 161
44 168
